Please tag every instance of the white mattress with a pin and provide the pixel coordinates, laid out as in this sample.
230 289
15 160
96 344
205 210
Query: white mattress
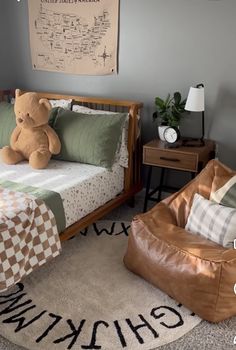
83 188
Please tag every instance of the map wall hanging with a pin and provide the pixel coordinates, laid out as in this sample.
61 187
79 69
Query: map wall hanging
74 36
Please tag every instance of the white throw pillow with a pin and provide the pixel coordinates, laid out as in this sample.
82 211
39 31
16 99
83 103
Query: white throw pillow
213 221
66 104
122 156
86 110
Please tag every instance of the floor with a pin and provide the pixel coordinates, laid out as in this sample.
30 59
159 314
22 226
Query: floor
205 336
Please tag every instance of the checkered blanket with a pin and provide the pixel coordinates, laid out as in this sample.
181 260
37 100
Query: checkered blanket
28 236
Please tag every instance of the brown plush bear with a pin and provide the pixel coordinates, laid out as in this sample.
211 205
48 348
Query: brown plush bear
32 139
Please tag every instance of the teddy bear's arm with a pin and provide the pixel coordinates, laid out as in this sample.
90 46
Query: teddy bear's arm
14 137
53 139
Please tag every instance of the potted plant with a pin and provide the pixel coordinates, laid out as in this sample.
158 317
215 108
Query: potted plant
169 112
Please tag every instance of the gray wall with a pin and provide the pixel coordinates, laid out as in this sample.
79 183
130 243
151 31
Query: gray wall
165 45
7 64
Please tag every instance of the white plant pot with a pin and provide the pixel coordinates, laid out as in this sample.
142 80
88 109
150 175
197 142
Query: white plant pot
161 130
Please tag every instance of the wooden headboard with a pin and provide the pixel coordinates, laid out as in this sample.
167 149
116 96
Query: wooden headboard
133 172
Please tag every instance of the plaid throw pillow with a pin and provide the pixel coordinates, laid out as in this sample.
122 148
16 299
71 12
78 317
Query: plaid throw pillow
226 195
213 221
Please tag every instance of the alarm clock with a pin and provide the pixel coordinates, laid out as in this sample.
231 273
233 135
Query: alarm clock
171 134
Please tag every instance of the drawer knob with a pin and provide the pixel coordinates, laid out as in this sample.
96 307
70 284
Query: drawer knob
170 159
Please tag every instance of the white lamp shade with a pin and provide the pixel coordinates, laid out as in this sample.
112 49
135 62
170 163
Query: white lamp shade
195 101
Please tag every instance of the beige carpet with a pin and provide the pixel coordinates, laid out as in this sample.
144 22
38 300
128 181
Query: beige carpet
86 299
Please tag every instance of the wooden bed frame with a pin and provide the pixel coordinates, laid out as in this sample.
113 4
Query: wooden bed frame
132 178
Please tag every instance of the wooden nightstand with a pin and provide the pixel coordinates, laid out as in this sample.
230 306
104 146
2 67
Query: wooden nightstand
191 159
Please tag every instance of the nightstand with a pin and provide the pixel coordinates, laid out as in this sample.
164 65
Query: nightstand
191 159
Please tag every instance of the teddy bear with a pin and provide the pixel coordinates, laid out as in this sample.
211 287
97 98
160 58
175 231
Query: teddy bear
32 139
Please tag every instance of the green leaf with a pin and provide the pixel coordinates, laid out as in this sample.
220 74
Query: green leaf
159 102
167 101
177 97
182 104
170 110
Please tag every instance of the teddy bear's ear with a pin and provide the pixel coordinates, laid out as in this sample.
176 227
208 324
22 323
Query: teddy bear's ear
46 103
17 93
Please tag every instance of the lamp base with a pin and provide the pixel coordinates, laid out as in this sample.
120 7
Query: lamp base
192 142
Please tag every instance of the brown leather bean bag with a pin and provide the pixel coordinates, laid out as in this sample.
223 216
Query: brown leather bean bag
198 273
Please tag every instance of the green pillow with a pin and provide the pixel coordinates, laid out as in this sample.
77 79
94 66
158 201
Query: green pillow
52 116
7 123
87 138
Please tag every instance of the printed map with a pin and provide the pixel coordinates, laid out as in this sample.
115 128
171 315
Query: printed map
74 38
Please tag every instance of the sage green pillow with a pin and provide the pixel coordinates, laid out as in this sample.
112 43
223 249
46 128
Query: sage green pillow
7 123
88 139
52 116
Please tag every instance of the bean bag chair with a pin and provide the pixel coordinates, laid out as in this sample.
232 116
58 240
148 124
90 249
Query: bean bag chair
193 270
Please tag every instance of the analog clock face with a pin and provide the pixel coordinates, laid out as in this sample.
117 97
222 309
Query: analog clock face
171 134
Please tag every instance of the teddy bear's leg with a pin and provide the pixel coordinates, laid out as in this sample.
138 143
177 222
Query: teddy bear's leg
39 159
9 156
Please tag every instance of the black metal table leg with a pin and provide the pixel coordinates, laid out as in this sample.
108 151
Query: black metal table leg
147 187
161 184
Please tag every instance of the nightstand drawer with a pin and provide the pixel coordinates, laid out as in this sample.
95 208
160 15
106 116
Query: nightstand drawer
170 159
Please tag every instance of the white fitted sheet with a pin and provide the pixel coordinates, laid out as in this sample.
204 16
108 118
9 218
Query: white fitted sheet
83 187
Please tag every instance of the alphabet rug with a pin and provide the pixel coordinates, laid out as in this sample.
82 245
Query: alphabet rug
86 299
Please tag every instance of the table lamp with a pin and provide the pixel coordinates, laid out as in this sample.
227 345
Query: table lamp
196 103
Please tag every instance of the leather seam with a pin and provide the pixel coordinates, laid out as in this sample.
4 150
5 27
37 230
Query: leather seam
178 249
196 256
218 291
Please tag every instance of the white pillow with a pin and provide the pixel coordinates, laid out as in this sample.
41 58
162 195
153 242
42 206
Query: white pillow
213 221
66 104
122 154
86 110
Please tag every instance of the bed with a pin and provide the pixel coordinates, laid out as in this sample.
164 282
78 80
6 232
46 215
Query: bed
74 180
41 208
